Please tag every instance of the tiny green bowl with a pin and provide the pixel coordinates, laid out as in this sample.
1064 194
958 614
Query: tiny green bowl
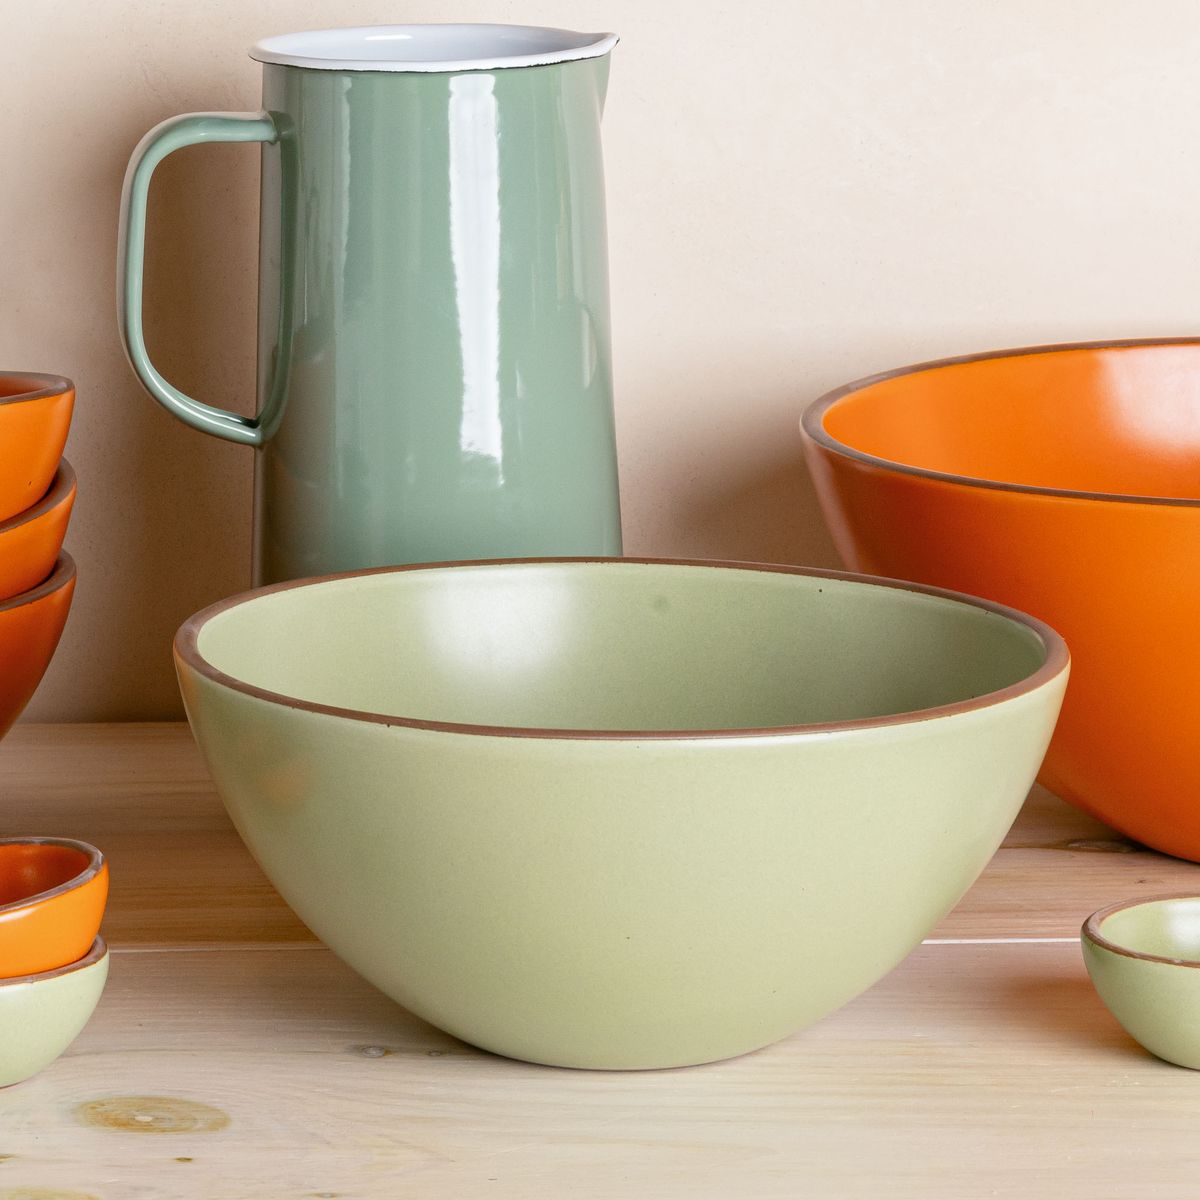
41 1015
1144 960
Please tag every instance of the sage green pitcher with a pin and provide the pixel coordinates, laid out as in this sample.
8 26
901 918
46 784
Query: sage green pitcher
434 365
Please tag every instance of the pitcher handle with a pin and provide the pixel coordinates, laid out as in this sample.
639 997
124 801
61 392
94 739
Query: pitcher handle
171 135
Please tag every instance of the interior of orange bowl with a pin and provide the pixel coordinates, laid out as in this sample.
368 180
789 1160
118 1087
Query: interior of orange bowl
1121 420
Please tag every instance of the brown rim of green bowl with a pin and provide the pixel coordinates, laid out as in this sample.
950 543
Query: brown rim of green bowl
95 864
98 951
1057 657
63 574
61 486
1091 929
35 386
812 422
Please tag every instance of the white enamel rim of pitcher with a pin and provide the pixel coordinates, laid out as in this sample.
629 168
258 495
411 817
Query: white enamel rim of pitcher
431 48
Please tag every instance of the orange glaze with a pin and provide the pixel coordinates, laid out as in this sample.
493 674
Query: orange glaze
35 415
30 625
1112 561
52 898
30 541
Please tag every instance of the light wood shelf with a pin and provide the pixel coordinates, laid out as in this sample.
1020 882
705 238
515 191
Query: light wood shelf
233 1057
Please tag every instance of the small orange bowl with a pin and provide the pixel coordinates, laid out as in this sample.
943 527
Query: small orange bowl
35 415
30 541
30 625
52 897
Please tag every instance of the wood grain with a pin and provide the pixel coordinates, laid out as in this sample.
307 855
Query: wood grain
180 874
234 1073
1056 866
231 1057
182 877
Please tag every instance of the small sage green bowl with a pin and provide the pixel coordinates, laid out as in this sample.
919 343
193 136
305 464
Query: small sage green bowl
619 813
1144 959
41 1015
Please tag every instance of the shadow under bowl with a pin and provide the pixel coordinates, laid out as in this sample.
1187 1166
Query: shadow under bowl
1144 959
1064 481
31 624
35 417
41 1015
619 813
31 541
52 897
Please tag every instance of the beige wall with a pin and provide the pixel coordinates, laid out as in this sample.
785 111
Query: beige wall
800 192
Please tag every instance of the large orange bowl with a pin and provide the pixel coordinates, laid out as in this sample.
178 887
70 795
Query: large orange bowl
30 541
1064 481
30 625
35 415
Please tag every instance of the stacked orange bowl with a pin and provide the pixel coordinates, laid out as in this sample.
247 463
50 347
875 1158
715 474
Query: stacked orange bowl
37 492
53 961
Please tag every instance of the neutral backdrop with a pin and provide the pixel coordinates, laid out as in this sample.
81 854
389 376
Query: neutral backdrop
800 193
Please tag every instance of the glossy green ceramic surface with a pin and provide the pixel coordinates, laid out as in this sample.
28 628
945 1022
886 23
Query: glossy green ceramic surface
1144 959
434 343
41 1015
619 814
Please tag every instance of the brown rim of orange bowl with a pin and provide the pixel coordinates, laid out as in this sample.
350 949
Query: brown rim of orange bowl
61 486
1091 929
1057 656
98 951
62 575
34 385
95 864
812 422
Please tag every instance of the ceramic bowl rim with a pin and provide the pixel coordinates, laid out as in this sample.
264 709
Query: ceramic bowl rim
1056 662
1091 930
812 422
97 954
62 488
95 864
47 385
62 576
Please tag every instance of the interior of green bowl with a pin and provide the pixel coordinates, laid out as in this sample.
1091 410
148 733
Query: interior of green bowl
617 646
1165 928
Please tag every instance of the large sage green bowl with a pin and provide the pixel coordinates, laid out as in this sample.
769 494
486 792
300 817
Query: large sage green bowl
619 813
